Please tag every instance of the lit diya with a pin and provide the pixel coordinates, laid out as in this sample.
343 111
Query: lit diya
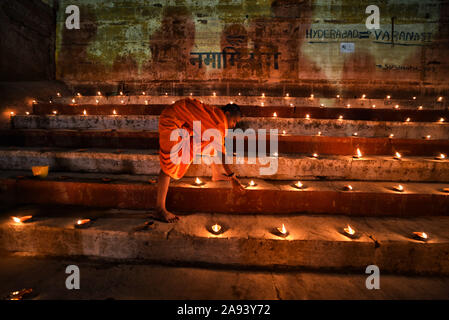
198 182
299 185
82 223
349 232
281 231
397 156
347 187
398 188
315 156
216 229
358 155
19 294
23 219
421 236
251 184
442 156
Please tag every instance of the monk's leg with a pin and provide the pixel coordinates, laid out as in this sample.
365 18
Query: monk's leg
162 189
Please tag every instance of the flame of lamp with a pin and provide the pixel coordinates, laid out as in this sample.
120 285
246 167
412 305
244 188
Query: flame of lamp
349 231
282 231
216 228
398 188
421 236
22 219
275 114
347 187
442 156
198 181
358 155
298 185
397 156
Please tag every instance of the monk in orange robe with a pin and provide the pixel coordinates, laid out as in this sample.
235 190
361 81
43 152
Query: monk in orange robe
182 117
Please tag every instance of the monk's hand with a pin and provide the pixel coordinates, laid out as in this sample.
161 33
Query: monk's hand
237 186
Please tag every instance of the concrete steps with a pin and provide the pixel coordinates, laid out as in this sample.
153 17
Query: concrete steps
120 139
292 126
285 166
367 198
313 242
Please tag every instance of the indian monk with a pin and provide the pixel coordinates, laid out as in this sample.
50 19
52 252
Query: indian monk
183 116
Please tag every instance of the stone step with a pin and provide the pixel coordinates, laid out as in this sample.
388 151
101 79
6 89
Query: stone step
313 242
283 166
367 198
242 100
293 126
119 139
351 113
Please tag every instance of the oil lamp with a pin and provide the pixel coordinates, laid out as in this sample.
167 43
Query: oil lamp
422 236
262 104
322 105
58 94
407 120
84 113
275 115
347 187
441 120
396 106
440 99
307 116
397 156
82 223
291 104
146 102
284 132
299 185
263 95
99 93
391 136
214 94
216 229
340 117
355 134
388 97
287 95
240 93
198 182
55 112
122 101
319 133
358 155
27 113
252 184
73 100
338 96
22 219
363 96
414 98
143 93
12 113
121 93
373 106
348 106
97 101
78 94
349 232
427 137
114 112
420 108
312 96
34 101
166 94
398 188
282 231
442 156
315 155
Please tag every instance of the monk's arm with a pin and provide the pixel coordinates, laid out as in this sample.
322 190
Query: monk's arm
229 173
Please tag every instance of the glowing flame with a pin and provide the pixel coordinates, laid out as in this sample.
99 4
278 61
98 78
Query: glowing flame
78 94
299 185
364 96
428 137
442 156
121 93
252 183
319 133
58 94
397 155
388 97
373 106
27 113
82 221
420 108
338 96
21 219
308 116
315 155
348 230
198 181
262 104
275 114
348 187
98 93
359 153
441 119
355 134
85 112
114 112
414 98
391 135
440 99
348 106
340 117
312 96
216 228
143 93
12 113
73 101
399 188
55 112
282 230
214 94
287 95
96 100
407 120
283 132
263 95
396 106
146 102
421 235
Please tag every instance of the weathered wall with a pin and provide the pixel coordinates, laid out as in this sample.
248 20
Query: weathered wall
27 41
255 41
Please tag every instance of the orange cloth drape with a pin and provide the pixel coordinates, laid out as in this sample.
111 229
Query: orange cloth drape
181 115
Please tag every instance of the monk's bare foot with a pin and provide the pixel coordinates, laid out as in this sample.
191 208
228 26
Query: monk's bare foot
166 216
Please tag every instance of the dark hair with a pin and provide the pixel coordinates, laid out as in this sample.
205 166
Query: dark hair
233 109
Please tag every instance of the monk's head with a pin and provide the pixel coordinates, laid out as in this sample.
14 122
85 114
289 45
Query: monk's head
233 114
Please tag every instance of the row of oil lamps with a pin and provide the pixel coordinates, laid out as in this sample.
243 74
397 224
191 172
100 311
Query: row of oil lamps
217 229
299 185
214 94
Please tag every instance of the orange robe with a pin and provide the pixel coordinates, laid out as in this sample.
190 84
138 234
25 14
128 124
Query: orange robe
181 115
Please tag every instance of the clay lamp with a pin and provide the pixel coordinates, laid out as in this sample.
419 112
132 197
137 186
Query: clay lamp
319 133
27 113
97 101
19 295
287 95
363 96
214 94
166 94
427 137
114 113
251 184
441 120
398 188
55 112
388 97
84 113
198 182
440 99
146 102
414 98
322 105
99 93
281 231
420 108
24 219
373 106
396 107
355 134
12 113
397 156
391 136
340 117
275 115
347 188
349 232
82 223
421 236
263 95
78 94
143 93
58 95
442 156
358 155
122 101
348 106
299 185
284 132
73 100
307 116
312 96
338 96
216 229
315 156
121 93
407 120
262 104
